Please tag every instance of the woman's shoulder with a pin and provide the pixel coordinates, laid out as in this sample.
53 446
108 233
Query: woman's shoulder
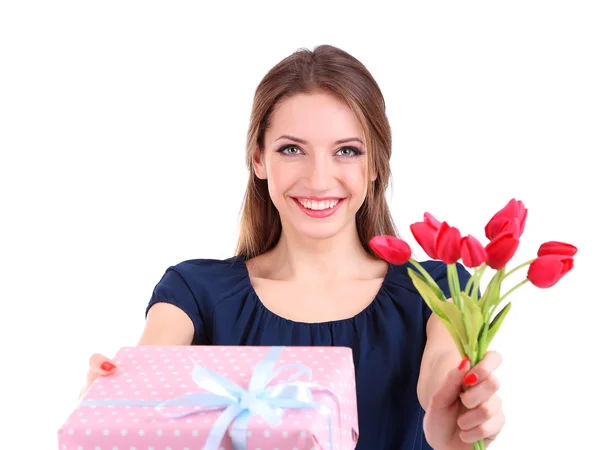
209 265
210 271
199 284
399 274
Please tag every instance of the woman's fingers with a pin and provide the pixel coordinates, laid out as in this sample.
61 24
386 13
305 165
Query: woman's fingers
481 392
99 365
481 414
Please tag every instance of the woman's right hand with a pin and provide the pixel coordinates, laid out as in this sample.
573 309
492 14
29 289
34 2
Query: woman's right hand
166 325
100 365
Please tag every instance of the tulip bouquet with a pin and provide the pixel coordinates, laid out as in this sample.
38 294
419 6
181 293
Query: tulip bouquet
470 316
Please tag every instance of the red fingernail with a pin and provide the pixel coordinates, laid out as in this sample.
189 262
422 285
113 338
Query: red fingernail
107 366
463 363
470 379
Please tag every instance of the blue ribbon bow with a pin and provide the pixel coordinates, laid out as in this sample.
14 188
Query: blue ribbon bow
240 404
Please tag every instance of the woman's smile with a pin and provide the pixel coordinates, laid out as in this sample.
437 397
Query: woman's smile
318 207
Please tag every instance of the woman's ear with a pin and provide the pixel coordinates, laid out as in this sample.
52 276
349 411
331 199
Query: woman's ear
258 163
372 175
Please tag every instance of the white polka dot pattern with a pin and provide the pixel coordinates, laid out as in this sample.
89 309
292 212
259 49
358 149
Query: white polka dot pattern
157 373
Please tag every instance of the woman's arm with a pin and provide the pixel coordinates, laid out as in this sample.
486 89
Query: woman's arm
166 324
439 357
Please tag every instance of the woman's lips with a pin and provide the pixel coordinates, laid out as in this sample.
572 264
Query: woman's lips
318 207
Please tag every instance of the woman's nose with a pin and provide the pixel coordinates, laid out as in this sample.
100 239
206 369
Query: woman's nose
321 174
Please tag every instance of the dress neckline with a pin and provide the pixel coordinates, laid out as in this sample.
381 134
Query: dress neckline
372 304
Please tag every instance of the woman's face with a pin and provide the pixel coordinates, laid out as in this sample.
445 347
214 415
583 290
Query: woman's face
315 164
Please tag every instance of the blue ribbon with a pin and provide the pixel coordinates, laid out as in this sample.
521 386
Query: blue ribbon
241 404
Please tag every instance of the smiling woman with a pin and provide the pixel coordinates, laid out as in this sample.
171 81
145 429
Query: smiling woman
318 154
309 104
318 176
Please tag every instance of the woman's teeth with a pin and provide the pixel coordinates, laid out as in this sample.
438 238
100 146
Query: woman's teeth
312 204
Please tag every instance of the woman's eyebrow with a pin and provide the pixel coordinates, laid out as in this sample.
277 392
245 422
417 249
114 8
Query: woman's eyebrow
302 141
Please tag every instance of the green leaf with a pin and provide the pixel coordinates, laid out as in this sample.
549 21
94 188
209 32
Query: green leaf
455 318
491 296
455 336
495 325
431 283
474 320
439 305
427 292
466 319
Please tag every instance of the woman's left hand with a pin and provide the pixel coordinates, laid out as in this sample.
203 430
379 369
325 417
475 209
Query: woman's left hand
465 408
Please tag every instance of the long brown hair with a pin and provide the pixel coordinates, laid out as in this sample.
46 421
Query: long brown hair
333 70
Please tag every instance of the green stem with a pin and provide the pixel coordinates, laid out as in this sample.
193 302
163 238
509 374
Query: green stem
514 288
484 334
479 445
517 268
423 272
476 274
470 283
477 281
454 285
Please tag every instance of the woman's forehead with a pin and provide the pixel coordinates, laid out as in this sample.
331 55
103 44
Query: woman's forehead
316 118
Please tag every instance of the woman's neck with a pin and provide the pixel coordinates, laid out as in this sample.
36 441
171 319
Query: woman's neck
299 258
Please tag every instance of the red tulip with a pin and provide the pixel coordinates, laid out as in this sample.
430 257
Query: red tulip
511 218
472 252
430 219
512 226
501 249
391 249
557 248
545 271
425 233
447 244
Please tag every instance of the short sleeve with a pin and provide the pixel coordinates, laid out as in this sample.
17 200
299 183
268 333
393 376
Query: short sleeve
439 272
173 289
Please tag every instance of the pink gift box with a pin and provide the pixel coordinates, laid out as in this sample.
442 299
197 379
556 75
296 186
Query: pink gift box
160 398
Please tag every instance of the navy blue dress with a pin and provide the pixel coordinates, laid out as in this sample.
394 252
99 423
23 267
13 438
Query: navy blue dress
387 338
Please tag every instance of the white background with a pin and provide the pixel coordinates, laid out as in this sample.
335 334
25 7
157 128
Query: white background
122 131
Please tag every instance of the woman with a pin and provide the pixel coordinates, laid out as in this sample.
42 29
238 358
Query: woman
318 151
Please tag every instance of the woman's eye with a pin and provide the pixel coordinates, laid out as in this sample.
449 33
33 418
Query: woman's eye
348 151
289 150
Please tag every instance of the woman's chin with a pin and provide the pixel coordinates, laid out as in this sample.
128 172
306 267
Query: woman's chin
319 231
